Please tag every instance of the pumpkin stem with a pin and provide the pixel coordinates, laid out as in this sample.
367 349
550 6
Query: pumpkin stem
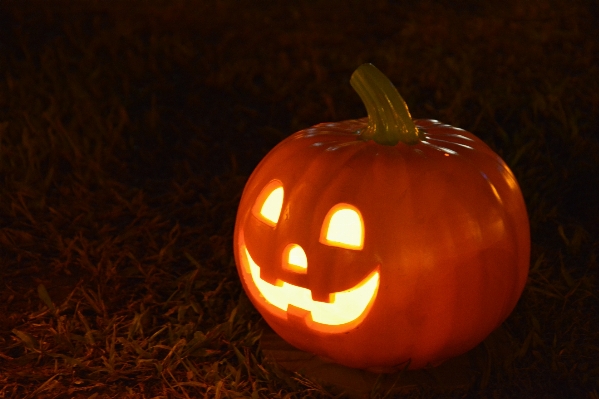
389 120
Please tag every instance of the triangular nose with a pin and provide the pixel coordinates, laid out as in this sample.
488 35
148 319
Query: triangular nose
296 259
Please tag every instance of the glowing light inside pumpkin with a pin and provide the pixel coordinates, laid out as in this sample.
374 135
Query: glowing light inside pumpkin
343 227
294 258
345 306
271 199
272 206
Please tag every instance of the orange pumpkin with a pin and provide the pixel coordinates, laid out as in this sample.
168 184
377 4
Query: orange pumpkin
383 242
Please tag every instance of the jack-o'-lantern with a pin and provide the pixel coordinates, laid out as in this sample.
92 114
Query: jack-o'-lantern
382 242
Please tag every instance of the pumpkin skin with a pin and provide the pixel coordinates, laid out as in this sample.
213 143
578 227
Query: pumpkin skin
445 229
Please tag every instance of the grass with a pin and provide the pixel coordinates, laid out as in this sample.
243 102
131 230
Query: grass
127 131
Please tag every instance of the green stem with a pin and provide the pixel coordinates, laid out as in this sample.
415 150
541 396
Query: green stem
389 121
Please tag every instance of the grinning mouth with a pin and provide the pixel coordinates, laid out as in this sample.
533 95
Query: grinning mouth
345 308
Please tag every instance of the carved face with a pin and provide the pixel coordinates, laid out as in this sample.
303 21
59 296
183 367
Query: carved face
342 227
375 255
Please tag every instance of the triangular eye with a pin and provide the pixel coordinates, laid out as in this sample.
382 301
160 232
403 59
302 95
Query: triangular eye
343 227
269 203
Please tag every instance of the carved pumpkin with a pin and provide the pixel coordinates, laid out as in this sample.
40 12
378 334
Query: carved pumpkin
382 242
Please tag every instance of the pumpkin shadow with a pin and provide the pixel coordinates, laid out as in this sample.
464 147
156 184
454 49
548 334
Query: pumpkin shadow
457 374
